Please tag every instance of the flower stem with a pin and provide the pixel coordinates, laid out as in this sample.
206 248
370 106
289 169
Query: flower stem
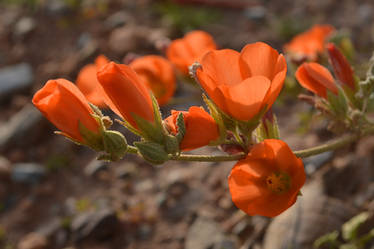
332 145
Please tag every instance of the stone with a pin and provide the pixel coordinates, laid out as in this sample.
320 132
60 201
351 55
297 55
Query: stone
125 171
87 46
24 26
14 79
118 19
97 225
5 168
255 13
33 241
204 233
95 167
21 127
30 173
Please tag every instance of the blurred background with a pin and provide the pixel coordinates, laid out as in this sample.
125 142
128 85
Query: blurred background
55 194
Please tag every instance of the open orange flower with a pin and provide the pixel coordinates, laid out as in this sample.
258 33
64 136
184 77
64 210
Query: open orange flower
89 85
201 128
316 78
126 94
268 180
242 84
189 49
65 106
158 74
342 69
309 44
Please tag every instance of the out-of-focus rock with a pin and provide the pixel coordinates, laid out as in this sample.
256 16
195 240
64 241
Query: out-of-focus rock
15 78
95 167
20 128
33 241
30 173
87 46
125 171
118 19
204 233
255 13
4 168
131 38
24 26
98 225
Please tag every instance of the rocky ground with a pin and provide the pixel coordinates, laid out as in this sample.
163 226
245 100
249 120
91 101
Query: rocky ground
54 194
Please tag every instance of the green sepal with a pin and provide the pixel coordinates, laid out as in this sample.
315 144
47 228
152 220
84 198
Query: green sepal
269 130
338 104
128 126
153 131
115 145
218 116
91 139
149 130
96 110
181 128
247 127
157 114
68 137
152 152
172 144
350 228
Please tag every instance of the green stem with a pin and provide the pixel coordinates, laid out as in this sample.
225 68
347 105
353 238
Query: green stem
333 145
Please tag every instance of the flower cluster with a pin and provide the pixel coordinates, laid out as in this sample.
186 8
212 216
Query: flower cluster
239 91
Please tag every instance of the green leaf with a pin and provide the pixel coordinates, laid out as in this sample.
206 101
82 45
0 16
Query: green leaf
152 152
350 228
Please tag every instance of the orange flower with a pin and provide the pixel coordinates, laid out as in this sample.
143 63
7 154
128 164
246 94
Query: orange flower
268 180
316 79
342 68
65 106
89 85
189 49
158 74
126 94
200 127
309 44
242 84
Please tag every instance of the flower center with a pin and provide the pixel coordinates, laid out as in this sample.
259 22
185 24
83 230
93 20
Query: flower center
279 182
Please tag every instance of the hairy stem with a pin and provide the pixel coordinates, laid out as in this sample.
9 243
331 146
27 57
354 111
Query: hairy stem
332 145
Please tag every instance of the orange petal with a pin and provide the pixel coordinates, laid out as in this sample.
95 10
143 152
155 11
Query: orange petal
158 74
246 99
128 95
261 59
64 105
316 79
224 67
88 84
277 82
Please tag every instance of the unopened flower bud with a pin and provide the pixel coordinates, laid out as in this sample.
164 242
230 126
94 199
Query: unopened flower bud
342 68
